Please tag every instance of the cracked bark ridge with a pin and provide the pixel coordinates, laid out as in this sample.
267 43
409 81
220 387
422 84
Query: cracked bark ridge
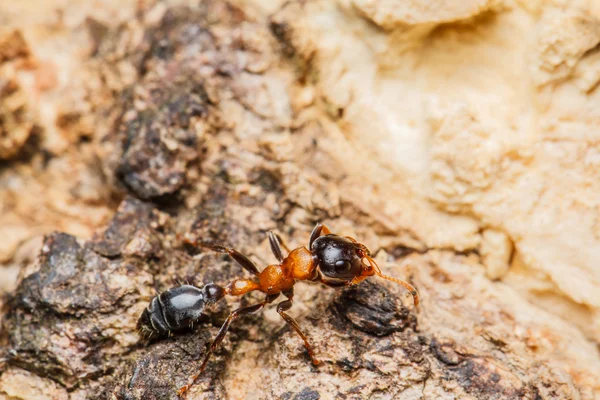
162 112
130 232
373 309
186 66
159 142
77 308
156 374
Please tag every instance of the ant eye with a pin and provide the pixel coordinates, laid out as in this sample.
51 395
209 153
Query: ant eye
343 267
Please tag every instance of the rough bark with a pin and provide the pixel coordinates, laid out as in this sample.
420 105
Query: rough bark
222 120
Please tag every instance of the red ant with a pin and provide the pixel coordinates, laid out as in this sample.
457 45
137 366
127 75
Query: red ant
333 260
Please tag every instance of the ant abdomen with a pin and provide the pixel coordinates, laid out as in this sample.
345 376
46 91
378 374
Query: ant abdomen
178 308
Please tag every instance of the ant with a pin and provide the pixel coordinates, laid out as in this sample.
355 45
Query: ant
330 259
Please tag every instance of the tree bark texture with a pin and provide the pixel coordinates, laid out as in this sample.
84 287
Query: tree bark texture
458 140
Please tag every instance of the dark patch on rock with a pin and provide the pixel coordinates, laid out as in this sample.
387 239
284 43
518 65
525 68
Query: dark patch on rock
186 67
282 32
72 279
287 395
412 348
20 135
159 141
444 352
269 180
133 217
210 220
13 46
475 376
162 368
61 322
69 317
372 308
480 376
347 365
536 393
308 394
356 389
401 251
97 32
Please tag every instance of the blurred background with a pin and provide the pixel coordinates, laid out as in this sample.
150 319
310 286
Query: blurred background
428 128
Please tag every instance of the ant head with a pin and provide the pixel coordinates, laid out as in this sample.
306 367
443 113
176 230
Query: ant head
341 258
346 260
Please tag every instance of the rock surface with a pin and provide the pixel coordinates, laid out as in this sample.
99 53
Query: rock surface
465 156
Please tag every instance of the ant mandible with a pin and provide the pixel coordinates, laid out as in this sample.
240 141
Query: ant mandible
333 260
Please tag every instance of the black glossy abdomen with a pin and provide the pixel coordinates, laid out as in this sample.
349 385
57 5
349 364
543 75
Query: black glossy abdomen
181 306
176 309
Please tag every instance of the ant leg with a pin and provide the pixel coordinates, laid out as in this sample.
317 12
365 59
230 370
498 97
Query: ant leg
317 231
275 245
235 314
282 242
285 306
241 259
357 279
377 271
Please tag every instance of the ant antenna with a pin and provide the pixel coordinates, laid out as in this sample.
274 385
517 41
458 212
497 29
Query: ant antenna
406 285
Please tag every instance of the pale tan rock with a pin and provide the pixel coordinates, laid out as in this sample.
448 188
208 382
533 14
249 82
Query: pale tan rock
564 36
496 251
392 13
466 159
19 384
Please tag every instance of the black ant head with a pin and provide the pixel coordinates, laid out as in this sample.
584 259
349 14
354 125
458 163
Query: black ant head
344 260
340 258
